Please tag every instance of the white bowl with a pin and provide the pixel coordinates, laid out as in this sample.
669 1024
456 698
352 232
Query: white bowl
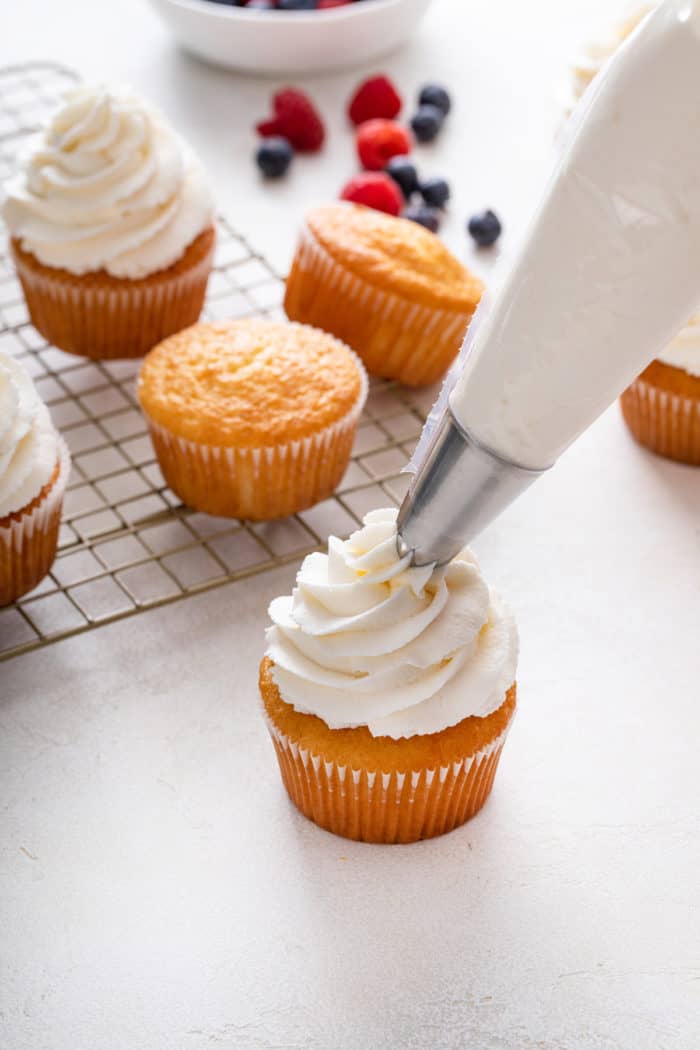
291 41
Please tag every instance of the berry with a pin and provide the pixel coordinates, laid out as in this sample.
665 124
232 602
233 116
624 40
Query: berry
274 156
435 192
426 123
376 97
425 216
404 174
485 228
435 95
295 119
296 5
375 190
326 5
378 141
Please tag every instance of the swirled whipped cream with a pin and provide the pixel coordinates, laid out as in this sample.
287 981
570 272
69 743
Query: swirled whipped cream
684 351
28 440
367 639
593 57
109 186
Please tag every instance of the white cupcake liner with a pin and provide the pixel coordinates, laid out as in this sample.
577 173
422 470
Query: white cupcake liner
28 542
376 806
259 483
666 423
113 322
426 340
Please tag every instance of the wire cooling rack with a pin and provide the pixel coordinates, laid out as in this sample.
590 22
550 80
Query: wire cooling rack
126 542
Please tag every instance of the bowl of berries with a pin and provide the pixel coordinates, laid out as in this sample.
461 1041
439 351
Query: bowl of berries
290 36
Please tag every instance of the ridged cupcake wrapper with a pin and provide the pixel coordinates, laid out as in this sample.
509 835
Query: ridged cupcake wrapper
102 323
258 483
396 338
667 424
374 806
28 543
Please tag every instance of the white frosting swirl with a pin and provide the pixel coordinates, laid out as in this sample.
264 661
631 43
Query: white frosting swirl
28 440
366 639
109 186
684 351
589 63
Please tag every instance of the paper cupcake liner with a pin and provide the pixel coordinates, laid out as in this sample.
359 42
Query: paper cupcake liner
666 423
103 318
29 537
258 483
375 806
396 338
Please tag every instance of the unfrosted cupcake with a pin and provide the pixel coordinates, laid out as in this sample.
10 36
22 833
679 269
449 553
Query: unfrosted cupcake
112 228
252 419
34 468
388 690
662 407
387 287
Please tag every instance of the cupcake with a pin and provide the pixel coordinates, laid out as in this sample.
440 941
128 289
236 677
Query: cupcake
34 468
388 689
387 287
662 407
111 226
252 419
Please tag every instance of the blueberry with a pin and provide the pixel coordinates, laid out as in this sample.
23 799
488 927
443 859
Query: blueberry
485 228
435 95
296 5
404 174
425 216
426 123
435 192
274 156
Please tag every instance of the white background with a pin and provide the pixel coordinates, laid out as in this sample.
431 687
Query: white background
156 890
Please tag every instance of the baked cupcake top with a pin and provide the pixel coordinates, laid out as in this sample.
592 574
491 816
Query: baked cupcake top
367 639
395 254
109 186
250 384
29 443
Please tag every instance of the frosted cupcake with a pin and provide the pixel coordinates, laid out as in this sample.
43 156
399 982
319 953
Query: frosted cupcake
388 690
111 227
34 468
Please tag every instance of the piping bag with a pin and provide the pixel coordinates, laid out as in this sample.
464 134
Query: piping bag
608 273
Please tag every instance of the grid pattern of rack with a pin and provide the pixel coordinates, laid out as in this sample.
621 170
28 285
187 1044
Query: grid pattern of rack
126 542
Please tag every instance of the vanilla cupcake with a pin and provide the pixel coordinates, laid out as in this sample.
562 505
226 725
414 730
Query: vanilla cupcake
387 287
34 468
111 226
388 689
252 419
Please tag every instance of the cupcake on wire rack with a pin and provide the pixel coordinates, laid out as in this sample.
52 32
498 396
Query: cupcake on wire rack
34 468
111 225
388 689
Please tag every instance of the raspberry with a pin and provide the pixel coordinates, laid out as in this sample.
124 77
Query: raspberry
375 190
378 141
376 97
296 120
326 5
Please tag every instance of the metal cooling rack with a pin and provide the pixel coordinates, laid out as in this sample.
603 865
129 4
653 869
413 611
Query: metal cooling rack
126 542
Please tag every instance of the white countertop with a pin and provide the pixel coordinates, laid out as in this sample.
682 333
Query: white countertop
157 891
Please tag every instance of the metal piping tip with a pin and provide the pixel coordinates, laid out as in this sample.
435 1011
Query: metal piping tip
460 488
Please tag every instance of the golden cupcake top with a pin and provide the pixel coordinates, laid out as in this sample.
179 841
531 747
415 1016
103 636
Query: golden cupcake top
249 384
394 254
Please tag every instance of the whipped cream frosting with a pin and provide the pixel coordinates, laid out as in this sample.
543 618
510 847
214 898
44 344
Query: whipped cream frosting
29 447
684 351
109 186
586 65
367 639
